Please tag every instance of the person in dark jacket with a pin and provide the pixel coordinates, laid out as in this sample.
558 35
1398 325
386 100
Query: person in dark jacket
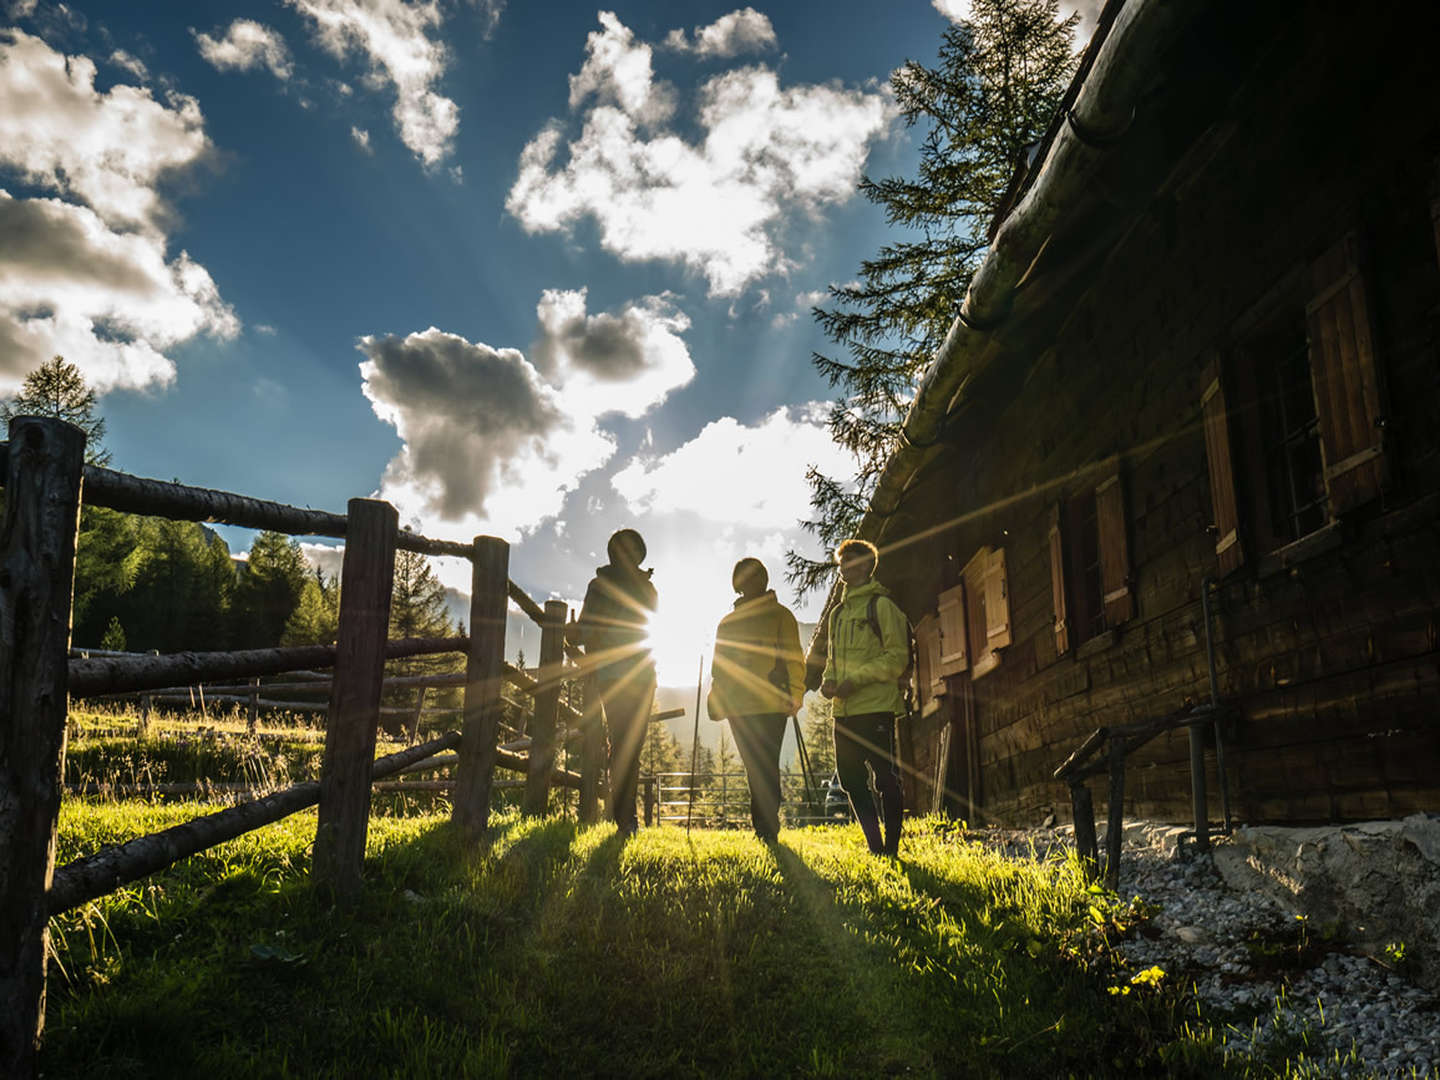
869 650
757 681
612 629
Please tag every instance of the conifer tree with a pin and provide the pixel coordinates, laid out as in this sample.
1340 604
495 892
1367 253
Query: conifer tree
268 590
417 609
999 79
57 388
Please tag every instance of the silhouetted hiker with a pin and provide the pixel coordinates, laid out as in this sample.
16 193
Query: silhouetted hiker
757 681
612 629
868 652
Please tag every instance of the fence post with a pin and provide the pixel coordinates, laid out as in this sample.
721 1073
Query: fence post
415 717
366 578
547 709
484 672
37 571
252 723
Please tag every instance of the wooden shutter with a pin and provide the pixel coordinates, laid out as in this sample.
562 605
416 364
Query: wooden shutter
1114 551
1347 381
997 601
1057 583
976 576
928 678
954 651
1228 550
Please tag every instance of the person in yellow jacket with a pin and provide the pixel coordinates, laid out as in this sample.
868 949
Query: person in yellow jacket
757 681
868 652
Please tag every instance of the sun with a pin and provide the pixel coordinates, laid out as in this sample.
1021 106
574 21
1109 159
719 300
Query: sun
682 630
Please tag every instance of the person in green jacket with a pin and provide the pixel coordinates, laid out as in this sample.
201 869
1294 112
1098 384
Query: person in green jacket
868 651
757 681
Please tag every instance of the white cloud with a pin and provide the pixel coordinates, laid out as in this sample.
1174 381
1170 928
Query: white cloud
719 205
617 71
807 300
327 558
495 442
109 302
742 31
108 150
88 275
131 63
1089 10
362 138
626 363
247 45
395 38
753 476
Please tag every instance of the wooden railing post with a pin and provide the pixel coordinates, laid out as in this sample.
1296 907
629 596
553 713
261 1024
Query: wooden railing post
366 578
547 709
37 572
484 674
252 719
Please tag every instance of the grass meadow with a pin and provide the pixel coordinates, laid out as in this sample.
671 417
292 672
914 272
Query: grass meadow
556 949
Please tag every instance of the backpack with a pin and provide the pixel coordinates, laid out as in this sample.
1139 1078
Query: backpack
906 679
872 619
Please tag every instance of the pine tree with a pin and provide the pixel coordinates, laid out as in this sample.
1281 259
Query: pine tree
417 609
56 388
316 618
1000 77
268 590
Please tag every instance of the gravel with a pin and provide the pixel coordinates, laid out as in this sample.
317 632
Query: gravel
1347 1002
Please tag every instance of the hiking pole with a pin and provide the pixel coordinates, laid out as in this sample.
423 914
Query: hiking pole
695 743
807 774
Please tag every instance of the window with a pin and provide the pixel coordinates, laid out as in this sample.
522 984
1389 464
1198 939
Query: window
1294 425
1290 437
987 609
1090 564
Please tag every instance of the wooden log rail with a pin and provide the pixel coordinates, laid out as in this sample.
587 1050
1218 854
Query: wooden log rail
108 674
105 871
1087 761
43 474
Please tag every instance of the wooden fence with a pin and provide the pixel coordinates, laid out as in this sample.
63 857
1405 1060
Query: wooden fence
44 476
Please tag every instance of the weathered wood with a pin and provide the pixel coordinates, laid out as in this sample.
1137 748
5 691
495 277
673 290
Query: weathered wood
113 675
37 569
423 545
484 671
1115 829
525 604
1082 808
108 869
547 707
419 711
366 581
253 706
181 502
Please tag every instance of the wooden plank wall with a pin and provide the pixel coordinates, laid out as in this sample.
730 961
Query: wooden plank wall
1335 665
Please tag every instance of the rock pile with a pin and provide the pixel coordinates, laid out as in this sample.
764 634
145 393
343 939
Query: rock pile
1273 941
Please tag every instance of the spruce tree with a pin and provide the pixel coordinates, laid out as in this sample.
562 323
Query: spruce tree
1000 77
417 610
56 388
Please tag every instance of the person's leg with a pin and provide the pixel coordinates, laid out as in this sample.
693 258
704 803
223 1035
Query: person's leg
745 730
758 739
627 711
851 755
772 734
887 782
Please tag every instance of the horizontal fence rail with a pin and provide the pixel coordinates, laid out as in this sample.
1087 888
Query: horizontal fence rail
110 674
45 482
108 869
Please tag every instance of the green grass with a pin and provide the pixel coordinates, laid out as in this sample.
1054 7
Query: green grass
559 950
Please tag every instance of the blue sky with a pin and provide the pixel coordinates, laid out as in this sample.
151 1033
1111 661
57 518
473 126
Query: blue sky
573 247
